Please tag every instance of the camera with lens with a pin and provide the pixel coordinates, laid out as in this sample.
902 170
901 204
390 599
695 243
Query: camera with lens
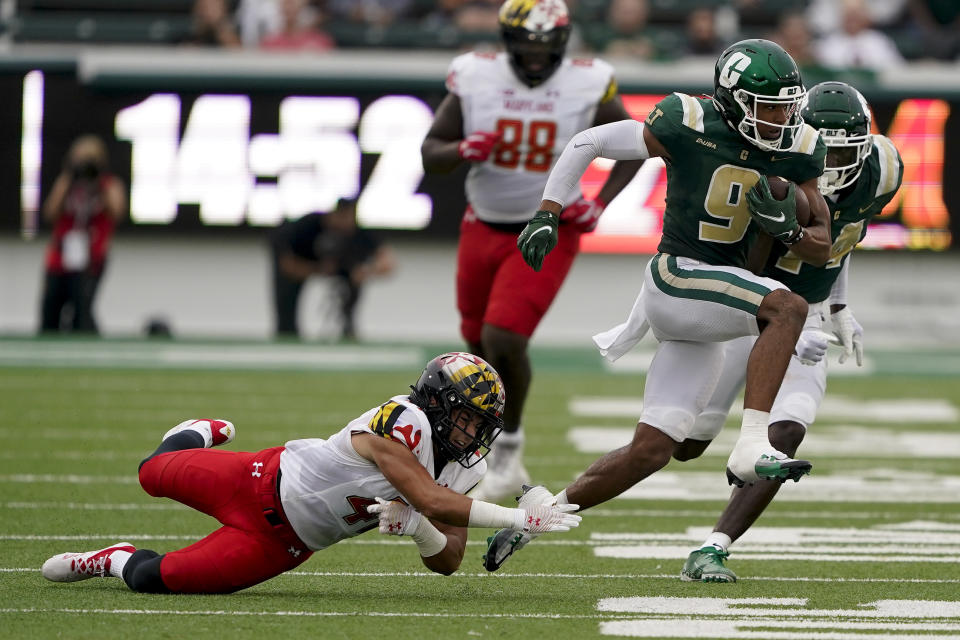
86 170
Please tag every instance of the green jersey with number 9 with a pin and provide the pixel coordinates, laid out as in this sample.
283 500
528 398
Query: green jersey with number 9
850 211
710 170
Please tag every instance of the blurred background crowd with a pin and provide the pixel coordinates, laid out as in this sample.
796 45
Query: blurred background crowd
829 34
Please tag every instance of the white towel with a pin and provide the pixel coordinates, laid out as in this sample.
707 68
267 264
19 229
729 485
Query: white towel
617 341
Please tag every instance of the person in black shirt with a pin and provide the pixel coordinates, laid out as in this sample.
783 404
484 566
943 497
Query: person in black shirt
328 245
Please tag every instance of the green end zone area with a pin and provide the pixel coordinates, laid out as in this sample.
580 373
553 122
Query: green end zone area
863 548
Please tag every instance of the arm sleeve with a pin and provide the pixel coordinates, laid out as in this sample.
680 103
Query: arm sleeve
622 140
838 293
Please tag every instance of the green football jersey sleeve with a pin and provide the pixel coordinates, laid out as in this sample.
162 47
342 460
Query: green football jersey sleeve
876 186
709 170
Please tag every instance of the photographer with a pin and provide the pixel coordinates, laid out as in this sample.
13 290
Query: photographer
84 204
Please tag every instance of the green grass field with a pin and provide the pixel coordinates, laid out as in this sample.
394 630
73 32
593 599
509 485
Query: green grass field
864 548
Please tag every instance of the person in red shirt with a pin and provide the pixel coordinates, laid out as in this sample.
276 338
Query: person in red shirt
294 35
84 204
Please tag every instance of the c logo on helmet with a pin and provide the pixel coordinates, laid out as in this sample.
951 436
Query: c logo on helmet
734 67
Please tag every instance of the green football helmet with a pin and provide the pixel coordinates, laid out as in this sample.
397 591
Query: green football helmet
842 116
755 75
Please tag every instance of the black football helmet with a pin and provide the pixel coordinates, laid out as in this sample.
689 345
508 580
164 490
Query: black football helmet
535 33
460 380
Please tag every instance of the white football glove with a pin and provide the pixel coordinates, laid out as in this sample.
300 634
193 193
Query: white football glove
812 346
396 518
548 518
850 334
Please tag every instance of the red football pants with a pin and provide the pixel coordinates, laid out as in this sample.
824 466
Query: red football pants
495 286
238 489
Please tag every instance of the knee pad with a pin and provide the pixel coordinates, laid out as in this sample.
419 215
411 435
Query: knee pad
795 407
708 425
675 422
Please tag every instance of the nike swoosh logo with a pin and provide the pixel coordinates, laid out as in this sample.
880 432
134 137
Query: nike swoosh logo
865 208
530 237
781 217
582 144
779 159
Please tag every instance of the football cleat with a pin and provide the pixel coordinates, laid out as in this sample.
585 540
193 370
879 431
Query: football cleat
71 567
505 542
706 565
504 476
755 460
214 432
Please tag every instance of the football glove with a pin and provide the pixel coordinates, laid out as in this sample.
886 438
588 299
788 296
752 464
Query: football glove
778 218
545 518
849 333
477 146
583 214
538 238
396 518
812 346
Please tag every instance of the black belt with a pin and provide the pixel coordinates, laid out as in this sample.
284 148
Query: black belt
274 518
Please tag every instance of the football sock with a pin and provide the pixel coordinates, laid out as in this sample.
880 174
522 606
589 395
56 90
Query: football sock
186 439
142 572
754 425
510 439
118 560
719 540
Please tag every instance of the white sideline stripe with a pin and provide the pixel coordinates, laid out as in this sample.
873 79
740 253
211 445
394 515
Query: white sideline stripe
832 408
824 441
593 513
566 576
36 478
91 506
320 614
661 627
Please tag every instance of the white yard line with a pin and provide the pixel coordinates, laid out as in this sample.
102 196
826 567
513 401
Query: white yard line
568 576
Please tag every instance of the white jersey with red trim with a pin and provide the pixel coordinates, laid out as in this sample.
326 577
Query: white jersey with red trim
535 124
326 485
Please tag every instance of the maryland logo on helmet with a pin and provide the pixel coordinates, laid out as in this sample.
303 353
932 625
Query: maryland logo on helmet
477 381
534 15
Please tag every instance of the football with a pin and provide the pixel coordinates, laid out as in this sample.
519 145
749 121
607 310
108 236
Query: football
778 187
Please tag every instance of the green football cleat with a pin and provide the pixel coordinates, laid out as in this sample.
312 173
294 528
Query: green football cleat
706 565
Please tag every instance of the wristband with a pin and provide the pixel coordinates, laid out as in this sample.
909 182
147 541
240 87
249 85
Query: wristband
795 238
493 516
430 541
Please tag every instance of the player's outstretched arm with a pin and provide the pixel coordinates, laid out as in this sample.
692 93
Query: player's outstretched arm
408 476
622 140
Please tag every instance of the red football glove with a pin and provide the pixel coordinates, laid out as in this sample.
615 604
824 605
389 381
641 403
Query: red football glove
477 146
583 214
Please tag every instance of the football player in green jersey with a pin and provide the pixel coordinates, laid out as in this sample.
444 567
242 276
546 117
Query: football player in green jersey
863 174
696 293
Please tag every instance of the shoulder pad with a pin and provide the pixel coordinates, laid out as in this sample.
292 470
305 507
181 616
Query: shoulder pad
891 165
692 115
806 141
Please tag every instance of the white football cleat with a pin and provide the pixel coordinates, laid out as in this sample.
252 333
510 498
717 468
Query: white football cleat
752 460
505 474
214 432
71 567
